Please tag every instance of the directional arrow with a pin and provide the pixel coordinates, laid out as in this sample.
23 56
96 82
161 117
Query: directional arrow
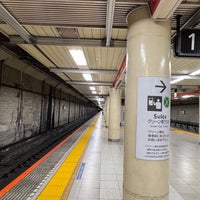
163 86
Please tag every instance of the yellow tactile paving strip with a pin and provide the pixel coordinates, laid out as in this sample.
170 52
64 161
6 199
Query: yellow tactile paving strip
184 132
59 183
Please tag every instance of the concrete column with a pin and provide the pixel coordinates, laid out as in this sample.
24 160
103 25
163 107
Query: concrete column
114 115
107 111
199 119
148 72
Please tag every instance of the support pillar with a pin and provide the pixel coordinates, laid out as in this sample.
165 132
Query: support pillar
199 119
114 115
146 142
107 111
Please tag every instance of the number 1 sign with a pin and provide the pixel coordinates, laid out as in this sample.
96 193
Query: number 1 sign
188 43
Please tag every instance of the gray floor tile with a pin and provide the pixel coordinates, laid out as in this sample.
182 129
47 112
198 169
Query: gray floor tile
107 158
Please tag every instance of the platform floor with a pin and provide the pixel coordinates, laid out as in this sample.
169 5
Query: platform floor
86 166
101 173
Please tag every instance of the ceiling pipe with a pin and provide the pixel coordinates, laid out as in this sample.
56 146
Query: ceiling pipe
40 40
89 83
109 20
118 78
177 95
79 71
194 92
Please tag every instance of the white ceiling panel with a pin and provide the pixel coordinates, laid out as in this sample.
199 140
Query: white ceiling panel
8 30
59 54
48 31
184 66
37 55
94 33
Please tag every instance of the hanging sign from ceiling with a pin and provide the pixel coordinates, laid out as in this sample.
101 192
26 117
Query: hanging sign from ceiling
188 43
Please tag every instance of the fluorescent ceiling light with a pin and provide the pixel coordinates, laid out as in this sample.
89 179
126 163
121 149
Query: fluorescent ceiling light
101 99
195 72
94 92
87 77
78 57
177 80
92 88
187 96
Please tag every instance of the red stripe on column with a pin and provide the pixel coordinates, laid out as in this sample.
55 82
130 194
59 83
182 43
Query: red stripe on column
153 4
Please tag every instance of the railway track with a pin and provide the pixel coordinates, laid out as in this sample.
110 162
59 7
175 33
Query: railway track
16 158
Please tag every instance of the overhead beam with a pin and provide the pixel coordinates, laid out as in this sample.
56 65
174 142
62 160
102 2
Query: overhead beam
183 87
192 21
189 4
80 71
194 92
10 20
163 9
89 83
95 95
68 42
109 20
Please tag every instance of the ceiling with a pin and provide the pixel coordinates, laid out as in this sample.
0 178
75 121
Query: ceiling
48 29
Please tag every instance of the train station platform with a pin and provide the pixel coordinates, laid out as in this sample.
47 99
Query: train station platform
87 166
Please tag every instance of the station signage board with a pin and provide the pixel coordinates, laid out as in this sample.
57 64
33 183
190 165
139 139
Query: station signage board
153 118
188 43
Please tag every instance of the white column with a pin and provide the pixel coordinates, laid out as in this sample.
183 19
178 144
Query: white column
107 111
114 114
148 65
199 119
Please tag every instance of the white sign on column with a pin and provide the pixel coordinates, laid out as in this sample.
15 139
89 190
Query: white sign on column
153 118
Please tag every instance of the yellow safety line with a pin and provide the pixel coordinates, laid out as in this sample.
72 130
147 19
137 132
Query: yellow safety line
184 132
58 184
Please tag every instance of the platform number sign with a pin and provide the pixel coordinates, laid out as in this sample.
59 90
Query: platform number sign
188 43
192 36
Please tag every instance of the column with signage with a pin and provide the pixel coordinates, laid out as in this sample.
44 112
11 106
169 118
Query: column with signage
147 118
114 114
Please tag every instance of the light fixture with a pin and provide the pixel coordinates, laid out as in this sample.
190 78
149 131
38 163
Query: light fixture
187 96
78 56
101 99
87 77
92 88
195 72
94 92
177 80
